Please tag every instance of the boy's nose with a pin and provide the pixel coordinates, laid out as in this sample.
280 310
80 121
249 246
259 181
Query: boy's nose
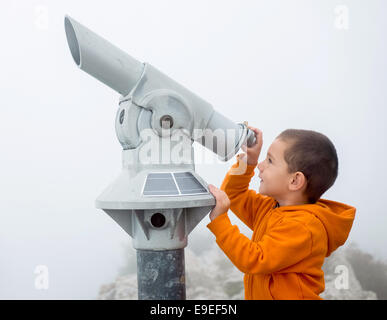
260 166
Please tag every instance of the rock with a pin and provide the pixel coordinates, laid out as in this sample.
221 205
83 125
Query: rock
211 276
340 280
124 288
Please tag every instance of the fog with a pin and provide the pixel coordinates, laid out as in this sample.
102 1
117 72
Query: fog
276 64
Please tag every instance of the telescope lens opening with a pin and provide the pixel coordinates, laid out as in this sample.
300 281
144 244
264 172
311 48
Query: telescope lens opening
72 41
158 220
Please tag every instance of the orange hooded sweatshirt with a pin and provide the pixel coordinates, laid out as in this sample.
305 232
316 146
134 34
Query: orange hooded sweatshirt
283 259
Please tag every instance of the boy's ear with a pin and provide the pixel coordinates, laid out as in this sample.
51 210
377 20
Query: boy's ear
298 181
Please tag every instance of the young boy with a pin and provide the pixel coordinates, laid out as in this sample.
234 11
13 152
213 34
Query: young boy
293 229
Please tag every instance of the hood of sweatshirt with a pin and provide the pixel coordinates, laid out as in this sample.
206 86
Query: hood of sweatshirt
336 217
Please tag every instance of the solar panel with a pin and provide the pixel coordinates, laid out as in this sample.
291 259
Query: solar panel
159 184
172 184
188 184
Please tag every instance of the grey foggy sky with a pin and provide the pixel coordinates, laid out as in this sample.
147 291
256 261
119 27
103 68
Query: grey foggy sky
277 64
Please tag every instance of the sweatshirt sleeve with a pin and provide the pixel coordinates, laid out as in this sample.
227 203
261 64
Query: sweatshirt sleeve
248 205
286 243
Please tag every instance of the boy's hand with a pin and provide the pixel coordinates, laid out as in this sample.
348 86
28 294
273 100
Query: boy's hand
252 154
222 202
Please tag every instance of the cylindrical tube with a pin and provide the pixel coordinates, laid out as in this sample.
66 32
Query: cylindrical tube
225 137
161 275
99 58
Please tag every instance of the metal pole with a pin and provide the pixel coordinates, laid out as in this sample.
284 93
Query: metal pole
161 275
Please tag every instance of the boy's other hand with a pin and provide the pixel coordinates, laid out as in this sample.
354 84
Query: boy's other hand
251 154
222 202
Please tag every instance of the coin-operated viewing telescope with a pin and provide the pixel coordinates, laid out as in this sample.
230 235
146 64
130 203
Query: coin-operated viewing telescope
158 198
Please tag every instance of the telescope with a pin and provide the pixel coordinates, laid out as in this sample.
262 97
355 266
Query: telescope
158 198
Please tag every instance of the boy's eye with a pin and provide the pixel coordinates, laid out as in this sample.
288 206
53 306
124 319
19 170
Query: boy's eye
269 160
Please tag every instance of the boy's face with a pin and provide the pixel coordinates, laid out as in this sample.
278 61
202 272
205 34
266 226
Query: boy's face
274 174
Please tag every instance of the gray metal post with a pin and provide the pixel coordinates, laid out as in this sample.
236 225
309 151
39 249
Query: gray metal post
161 275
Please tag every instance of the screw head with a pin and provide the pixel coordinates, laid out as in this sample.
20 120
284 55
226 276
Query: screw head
166 122
122 116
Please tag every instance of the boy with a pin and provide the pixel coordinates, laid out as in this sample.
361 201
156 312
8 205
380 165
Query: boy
293 229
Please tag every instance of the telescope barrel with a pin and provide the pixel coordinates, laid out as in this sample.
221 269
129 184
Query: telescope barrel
225 137
101 59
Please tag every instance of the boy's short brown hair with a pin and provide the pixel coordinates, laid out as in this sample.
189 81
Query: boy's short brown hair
315 156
